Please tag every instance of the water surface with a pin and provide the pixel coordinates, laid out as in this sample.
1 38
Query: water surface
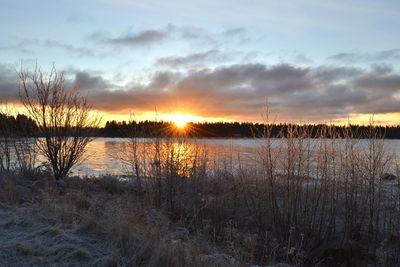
111 155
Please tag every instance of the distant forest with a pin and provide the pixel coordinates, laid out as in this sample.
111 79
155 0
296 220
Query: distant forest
17 126
24 126
243 129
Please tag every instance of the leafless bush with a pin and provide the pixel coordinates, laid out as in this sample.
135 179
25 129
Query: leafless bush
63 117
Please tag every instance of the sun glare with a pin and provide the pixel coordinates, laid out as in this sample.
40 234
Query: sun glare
180 120
180 124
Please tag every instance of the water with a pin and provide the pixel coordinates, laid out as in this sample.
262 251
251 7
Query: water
108 155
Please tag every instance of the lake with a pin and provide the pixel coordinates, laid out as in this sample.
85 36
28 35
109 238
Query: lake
109 155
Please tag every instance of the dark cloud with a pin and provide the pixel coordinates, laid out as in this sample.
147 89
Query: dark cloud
8 84
195 59
87 82
382 68
170 32
331 74
141 38
379 56
377 82
240 91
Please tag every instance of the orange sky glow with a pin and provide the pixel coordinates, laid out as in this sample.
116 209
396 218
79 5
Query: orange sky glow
182 117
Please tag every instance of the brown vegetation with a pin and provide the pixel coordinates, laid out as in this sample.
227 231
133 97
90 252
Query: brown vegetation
303 201
62 116
314 202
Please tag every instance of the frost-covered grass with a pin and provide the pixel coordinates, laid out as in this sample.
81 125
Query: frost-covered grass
95 222
306 202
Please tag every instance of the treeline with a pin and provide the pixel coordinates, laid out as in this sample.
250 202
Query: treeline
244 129
16 126
22 125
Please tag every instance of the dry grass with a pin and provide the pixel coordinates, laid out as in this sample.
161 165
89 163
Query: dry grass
299 200
308 202
93 225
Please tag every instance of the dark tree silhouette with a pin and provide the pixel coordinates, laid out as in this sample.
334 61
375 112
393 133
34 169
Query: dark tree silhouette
63 118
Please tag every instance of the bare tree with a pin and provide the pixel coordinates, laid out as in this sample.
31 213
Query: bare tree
63 116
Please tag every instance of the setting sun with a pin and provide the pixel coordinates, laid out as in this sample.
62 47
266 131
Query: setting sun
180 124
181 120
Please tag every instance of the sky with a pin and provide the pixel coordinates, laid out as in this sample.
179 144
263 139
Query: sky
308 61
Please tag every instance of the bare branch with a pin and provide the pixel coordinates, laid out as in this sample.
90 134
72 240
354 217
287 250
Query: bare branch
62 115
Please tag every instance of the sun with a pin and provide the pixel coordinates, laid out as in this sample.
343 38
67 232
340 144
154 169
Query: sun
180 121
180 124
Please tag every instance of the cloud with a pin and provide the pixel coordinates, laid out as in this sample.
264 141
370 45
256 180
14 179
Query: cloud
17 47
202 36
379 56
21 45
301 58
132 39
190 32
87 82
195 59
170 32
141 38
240 91
239 34
8 84
25 46
79 51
